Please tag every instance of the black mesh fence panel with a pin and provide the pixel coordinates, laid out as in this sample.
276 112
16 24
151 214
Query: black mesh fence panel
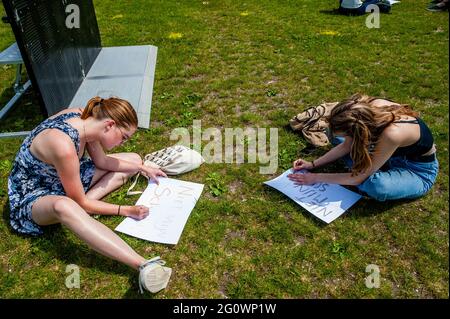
56 54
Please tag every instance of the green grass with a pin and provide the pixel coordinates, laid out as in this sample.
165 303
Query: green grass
257 69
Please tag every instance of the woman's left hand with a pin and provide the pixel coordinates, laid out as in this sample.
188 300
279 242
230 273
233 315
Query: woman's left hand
303 178
153 173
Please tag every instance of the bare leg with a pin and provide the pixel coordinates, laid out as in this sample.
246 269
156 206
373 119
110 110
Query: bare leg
105 182
53 209
60 209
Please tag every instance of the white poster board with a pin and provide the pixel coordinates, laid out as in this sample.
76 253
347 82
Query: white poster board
325 201
170 204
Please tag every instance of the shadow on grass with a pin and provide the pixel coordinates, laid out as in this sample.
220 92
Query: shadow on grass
333 12
365 208
368 207
133 292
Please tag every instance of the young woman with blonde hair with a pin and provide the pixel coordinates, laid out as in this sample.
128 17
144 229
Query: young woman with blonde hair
54 181
389 149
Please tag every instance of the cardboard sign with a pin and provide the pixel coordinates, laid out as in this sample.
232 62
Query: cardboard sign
325 201
170 204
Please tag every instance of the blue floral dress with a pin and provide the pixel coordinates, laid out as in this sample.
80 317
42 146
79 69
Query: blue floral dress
31 178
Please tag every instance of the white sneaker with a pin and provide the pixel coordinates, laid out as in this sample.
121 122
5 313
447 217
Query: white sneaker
153 276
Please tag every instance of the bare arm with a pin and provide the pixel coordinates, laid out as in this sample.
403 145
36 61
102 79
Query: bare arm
332 155
108 163
335 153
383 151
63 157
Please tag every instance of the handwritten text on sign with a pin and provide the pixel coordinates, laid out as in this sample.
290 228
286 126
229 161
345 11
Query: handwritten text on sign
170 204
325 201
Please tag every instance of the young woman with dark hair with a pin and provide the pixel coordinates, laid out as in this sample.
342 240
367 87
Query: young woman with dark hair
389 149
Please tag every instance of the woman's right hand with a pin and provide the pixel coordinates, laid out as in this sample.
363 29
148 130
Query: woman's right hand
302 164
137 212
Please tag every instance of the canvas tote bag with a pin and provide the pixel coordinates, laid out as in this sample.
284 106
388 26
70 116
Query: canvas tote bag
174 160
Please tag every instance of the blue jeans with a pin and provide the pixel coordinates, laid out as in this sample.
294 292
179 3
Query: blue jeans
403 178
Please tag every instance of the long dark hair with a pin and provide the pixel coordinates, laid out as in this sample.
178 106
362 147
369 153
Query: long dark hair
358 118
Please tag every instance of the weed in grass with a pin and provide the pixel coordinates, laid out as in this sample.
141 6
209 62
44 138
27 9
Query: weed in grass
5 167
271 93
165 96
191 100
119 195
250 118
185 119
129 147
339 249
287 155
171 121
187 116
216 187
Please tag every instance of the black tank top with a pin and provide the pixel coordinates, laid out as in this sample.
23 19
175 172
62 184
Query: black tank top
422 146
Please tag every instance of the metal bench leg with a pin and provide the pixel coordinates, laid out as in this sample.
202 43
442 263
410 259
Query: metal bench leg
17 87
9 105
14 134
20 90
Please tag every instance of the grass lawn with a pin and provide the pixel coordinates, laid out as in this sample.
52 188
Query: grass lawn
256 64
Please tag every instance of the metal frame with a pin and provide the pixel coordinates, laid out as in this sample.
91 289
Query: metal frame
49 50
26 61
12 56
